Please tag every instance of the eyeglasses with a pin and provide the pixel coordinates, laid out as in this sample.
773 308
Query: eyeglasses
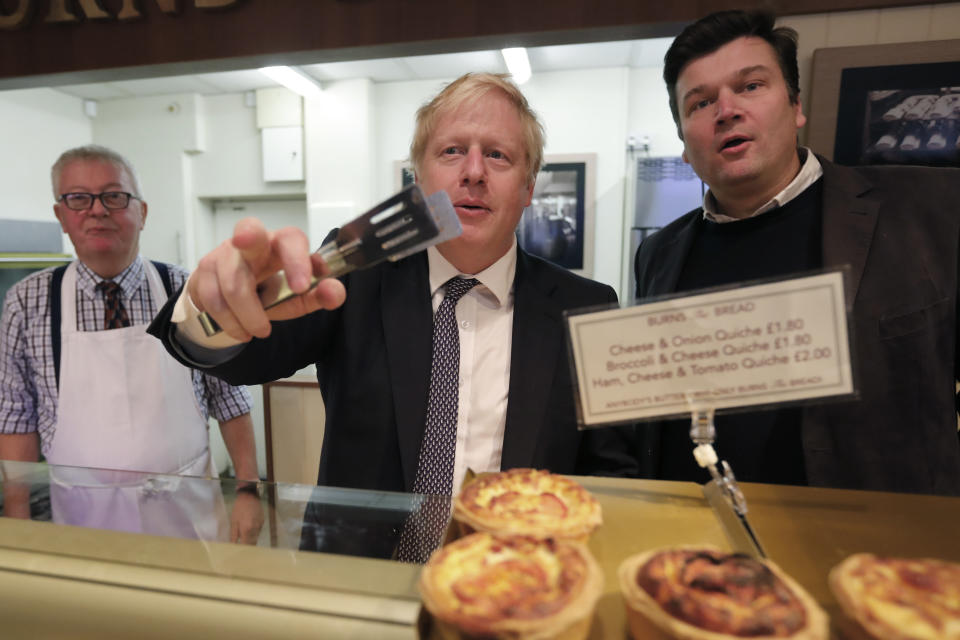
109 199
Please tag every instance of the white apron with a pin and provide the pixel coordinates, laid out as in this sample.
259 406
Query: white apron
126 405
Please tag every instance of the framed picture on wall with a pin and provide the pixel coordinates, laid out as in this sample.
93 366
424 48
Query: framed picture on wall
402 174
887 104
558 224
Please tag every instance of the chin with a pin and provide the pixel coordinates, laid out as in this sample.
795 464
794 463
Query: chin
738 174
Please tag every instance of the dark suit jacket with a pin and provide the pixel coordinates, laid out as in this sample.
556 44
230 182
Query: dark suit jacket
373 364
898 229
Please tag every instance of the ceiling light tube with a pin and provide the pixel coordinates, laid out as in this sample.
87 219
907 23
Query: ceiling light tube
517 63
293 79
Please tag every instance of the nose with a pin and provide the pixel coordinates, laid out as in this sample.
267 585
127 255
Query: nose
474 169
728 107
97 209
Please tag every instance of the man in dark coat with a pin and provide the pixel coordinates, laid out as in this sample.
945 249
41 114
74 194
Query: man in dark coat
371 333
775 209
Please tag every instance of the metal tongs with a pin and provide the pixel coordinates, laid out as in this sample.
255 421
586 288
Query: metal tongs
401 225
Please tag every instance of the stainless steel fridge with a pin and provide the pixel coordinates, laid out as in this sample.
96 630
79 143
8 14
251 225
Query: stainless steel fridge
664 189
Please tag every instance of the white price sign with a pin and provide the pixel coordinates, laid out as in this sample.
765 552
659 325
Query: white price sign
765 344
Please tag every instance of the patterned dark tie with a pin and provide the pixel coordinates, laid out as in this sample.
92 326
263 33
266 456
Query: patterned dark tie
422 531
115 315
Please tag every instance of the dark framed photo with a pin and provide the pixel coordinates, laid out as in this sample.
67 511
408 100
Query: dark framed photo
558 224
403 174
887 104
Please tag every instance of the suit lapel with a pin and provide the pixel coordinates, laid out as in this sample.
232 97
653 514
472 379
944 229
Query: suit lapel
670 258
407 320
849 218
536 346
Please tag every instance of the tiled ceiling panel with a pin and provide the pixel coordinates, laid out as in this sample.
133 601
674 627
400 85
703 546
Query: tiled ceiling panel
384 70
579 56
451 65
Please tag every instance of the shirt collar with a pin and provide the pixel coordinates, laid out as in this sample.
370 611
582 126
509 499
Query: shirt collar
129 279
497 279
810 172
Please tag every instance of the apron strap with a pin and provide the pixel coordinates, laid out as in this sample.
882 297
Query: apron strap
55 318
55 283
164 276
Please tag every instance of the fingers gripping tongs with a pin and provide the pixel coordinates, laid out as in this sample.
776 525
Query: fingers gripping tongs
399 226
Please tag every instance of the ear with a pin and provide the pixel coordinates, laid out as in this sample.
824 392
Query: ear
800 118
529 197
143 214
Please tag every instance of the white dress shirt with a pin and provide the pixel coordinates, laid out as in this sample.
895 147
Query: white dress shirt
485 323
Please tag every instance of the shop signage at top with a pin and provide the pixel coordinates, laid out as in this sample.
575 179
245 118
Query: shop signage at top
60 11
766 344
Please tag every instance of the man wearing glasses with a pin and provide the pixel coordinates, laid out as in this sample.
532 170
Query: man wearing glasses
83 383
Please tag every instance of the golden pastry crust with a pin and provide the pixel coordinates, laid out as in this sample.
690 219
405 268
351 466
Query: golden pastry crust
899 598
702 593
528 502
512 587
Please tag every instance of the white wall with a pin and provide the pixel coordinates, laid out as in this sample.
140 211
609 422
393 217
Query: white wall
586 111
395 106
38 125
649 113
230 164
340 150
158 135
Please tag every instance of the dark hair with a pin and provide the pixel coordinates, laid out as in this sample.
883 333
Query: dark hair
709 33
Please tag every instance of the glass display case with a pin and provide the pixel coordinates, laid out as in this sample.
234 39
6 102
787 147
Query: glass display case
153 566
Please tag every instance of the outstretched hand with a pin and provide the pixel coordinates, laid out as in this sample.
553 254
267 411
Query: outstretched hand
225 281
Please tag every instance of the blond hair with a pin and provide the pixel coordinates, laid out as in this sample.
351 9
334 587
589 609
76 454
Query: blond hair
472 86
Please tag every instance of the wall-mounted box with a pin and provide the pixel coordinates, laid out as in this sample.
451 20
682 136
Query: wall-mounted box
282 153
279 107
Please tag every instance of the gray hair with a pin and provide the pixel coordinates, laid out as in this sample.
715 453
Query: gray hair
93 152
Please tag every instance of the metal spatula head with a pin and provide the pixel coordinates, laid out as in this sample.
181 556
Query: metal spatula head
399 226
446 219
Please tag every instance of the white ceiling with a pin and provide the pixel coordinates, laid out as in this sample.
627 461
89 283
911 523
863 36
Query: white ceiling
625 53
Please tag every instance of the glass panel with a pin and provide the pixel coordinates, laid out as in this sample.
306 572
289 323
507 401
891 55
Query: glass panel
346 579
328 519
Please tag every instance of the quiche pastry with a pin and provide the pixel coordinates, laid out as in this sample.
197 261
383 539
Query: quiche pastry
701 593
527 502
514 587
899 598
